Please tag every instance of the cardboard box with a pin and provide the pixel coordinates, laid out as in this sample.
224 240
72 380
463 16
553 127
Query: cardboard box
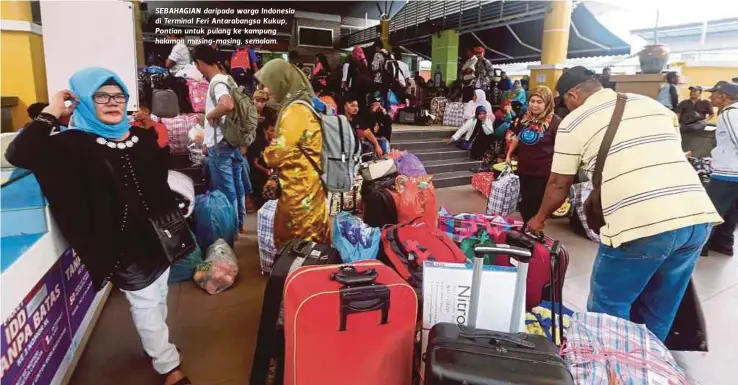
447 290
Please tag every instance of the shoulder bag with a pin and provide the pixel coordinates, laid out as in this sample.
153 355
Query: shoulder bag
593 204
170 226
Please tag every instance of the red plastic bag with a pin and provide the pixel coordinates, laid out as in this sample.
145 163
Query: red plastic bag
415 198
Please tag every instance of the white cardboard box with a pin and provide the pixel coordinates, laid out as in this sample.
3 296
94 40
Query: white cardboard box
447 289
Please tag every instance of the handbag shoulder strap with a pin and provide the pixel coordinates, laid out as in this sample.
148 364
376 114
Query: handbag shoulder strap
612 128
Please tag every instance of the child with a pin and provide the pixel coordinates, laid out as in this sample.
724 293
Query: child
266 132
143 119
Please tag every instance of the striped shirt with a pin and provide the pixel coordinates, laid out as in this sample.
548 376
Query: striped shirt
648 186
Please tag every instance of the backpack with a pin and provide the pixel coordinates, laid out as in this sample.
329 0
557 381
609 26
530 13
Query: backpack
239 128
341 152
407 245
391 71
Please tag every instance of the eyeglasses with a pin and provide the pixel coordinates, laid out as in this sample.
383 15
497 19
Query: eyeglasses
103 98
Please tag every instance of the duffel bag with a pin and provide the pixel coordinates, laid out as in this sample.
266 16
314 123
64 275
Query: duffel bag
378 201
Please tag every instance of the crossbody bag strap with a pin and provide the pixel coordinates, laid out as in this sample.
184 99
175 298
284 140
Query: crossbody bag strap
612 129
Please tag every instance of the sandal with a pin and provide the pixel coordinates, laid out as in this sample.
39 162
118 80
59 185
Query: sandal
182 381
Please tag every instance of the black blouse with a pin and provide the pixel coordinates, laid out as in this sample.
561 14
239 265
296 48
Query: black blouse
101 193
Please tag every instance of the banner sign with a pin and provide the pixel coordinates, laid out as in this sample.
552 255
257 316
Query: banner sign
39 332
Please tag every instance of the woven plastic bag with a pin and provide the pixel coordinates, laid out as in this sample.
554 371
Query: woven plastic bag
505 193
220 269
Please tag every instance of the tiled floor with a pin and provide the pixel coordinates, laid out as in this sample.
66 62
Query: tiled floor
217 333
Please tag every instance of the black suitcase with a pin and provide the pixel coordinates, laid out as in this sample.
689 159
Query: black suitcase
378 203
465 355
270 339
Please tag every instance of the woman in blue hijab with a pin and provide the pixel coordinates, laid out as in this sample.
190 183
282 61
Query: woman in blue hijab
104 181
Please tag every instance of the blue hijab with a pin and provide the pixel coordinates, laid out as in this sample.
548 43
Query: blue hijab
84 83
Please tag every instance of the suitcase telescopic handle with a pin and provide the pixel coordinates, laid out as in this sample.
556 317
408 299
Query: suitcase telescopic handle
523 256
519 253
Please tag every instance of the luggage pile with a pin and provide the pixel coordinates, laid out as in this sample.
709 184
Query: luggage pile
179 101
407 293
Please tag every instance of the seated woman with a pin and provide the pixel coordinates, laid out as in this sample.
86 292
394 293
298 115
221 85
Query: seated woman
476 133
504 117
533 138
518 98
301 211
478 100
105 181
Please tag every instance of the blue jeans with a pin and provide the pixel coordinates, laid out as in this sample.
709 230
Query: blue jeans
644 280
225 164
724 196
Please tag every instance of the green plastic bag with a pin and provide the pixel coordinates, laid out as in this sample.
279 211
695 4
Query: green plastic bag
481 238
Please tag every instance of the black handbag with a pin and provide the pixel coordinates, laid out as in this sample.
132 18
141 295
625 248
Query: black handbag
174 235
170 228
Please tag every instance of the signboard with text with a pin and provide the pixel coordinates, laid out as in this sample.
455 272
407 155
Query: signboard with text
39 332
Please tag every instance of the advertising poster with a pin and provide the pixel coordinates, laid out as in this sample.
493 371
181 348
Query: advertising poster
78 290
36 336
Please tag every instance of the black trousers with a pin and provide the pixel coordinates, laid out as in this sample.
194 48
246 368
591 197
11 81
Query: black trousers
532 189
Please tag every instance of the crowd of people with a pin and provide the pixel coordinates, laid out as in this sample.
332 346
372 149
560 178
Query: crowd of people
105 178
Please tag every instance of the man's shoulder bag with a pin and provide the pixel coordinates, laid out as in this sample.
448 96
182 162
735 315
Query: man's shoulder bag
593 204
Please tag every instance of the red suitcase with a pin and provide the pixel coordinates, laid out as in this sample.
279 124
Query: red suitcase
539 272
351 324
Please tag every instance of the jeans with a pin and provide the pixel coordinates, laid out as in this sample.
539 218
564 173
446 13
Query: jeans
149 311
724 195
644 280
225 175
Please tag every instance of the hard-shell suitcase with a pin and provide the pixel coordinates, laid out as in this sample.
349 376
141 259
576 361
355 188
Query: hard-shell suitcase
539 281
270 339
164 103
459 355
349 325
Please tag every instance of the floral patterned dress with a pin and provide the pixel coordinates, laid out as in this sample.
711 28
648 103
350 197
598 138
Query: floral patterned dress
302 211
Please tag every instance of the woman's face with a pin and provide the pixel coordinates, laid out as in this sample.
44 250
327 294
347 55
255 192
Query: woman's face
474 98
259 103
482 115
516 84
536 105
110 104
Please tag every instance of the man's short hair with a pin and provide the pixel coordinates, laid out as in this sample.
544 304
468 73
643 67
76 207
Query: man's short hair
397 52
35 109
205 54
350 98
144 105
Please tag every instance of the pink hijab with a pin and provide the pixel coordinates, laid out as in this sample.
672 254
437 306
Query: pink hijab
358 54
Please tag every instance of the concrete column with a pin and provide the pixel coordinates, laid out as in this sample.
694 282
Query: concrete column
384 27
137 15
445 53
22 65
555 45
